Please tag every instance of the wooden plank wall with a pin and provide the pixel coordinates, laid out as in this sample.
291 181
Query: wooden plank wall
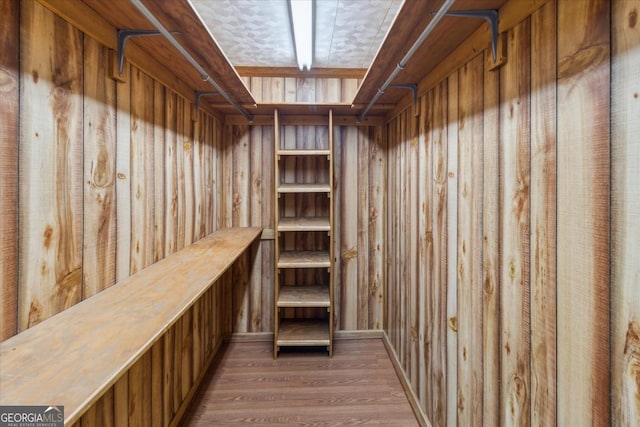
299 89
102 178
9 88
625 169
542 312
360 197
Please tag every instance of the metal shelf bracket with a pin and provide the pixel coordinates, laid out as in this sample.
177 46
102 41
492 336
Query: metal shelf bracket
414 90
125 35
489 15
200 94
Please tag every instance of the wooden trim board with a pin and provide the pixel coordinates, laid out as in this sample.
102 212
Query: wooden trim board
406 383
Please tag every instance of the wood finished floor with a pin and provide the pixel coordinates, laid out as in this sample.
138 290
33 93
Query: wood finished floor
358 386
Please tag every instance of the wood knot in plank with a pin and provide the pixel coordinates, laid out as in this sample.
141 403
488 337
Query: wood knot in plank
512 270
583 59
48 235
35 313
488 286
453 323
631 374
460 400
349 254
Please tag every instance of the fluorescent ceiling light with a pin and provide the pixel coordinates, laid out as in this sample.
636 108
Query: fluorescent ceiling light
302 23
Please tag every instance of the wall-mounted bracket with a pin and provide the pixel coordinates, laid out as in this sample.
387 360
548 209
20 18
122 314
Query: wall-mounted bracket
489 15
414 90
199 95
124 35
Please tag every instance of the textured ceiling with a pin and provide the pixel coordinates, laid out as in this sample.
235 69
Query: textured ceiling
256 33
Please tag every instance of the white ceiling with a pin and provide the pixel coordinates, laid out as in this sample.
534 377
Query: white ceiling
256 33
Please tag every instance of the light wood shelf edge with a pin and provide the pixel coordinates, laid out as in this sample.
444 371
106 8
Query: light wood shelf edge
304 152
304 296
305 224
303 188
303 333
304 259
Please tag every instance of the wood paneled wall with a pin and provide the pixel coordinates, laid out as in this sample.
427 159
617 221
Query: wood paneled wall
360 198
625 213
513 293
298 89
99 179
9 105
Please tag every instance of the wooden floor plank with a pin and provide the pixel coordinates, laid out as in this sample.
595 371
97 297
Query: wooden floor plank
247 386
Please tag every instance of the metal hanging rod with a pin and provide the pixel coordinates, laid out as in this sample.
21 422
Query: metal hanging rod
167 34
403 63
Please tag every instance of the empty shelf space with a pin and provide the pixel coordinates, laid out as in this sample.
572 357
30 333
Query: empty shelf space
304 224
303 332
304 296
304 188
304 259
304 152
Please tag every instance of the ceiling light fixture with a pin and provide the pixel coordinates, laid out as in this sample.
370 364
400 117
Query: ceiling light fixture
301 14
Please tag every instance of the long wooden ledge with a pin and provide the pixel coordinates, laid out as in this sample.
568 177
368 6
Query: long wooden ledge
72 358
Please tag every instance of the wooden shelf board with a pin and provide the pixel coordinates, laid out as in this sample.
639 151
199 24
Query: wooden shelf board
304 188
304 259
303 332
304 224
304 152
304 296
81 352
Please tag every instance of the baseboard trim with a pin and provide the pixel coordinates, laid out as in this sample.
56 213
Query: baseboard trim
406 383
251 336
358 335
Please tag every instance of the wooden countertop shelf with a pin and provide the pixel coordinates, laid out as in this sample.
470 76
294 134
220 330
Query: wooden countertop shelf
302 332
72 358
304 188
304 224
304 259
304 296
304 152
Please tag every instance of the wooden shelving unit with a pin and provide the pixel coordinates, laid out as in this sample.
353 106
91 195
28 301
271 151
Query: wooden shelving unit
304 267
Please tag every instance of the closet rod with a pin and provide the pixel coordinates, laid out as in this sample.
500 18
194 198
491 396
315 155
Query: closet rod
403 63
205 76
